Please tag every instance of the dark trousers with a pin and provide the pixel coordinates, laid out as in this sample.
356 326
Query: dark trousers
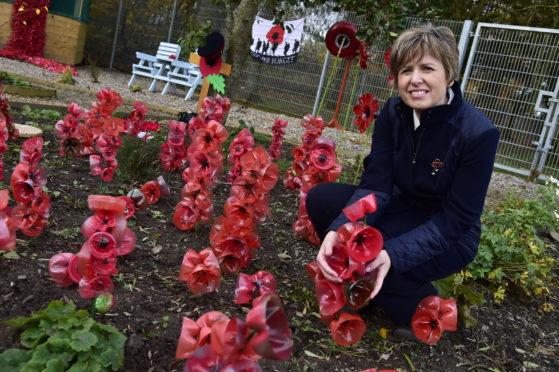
401 292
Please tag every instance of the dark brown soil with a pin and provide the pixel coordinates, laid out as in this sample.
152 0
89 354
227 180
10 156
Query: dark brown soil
512 336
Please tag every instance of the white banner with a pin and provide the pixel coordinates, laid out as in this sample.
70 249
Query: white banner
276 46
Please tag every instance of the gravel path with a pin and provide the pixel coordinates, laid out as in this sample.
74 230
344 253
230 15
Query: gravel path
84 90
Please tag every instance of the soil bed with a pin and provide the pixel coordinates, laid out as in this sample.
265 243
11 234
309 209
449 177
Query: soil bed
150 301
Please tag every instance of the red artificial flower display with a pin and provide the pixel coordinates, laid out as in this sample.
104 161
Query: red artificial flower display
151 191
138 198
186 214
272 339
433 316
102 245
7 228
127 244
343 264
188 339
314 271
130 209
360 208
364 244
365 111
200 271
251 286
323 153
32 151
363 55
358 292
90 287
203 360
104 266
330 297
348 329
108 204
58 269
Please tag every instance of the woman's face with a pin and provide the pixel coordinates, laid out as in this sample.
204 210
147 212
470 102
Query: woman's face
422 83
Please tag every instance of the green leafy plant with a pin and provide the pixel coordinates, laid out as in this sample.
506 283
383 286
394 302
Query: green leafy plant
93 70
195 36
61 338
454 287
67 77
27 111
512 253
139 160
8 79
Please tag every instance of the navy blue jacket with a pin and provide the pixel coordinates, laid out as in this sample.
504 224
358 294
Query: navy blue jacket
402 165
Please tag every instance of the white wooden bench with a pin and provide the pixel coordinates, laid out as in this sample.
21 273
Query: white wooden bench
185 74
157 66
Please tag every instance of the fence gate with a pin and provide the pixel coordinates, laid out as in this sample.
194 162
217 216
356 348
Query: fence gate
512 75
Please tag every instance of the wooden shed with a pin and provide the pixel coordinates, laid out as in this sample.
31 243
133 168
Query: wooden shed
66 29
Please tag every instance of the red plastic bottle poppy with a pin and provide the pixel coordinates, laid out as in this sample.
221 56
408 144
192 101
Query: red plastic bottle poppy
348 329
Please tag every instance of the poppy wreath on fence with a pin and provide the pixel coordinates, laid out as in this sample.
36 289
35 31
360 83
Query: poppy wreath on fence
357 244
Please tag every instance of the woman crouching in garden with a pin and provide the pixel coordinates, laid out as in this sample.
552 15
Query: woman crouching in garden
430 165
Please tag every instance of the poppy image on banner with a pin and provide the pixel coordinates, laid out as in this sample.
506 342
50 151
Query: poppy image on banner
274 44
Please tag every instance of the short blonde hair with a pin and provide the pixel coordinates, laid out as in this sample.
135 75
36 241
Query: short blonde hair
416 42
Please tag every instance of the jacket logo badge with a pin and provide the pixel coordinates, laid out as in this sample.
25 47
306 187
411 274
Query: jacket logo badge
436 165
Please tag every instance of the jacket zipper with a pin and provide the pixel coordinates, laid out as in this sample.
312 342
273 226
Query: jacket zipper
415 147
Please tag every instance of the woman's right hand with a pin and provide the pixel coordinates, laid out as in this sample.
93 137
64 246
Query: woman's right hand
326 251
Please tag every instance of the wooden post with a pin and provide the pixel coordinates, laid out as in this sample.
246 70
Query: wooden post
225 70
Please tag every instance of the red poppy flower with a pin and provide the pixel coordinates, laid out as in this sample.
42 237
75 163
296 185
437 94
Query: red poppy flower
186 215
70 146
228 338
360 208
219 131
204 140
204 279
242 143
275 35
58 269
73 271
76 111
23 185
102 245
127 244
105 222
151 191
342 264
363 55
129 210
104 266
205 206
41 204
433 316
245 188
348 329
188 339
323 153
387 63
32 151
272 339
365 111
205 322
358 292
364 244
24 216
94 286
312 123
251 286
113 126
239 211
7 232
201 164
314 271
242 364
204 360
330 297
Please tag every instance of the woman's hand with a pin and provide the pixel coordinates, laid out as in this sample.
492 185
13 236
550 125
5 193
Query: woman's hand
377 270
326 251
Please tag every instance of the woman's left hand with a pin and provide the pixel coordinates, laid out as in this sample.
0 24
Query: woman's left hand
377 270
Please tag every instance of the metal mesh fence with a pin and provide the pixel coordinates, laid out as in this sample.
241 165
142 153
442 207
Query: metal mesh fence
506 70
143 25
